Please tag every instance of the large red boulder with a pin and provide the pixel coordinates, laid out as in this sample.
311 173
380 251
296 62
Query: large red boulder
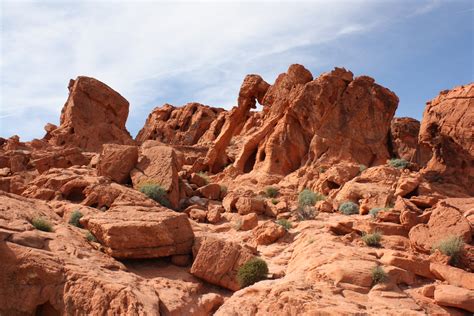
94 114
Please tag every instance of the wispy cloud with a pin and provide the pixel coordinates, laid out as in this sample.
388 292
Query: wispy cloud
156 52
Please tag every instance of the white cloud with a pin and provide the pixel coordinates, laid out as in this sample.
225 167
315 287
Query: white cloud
152 51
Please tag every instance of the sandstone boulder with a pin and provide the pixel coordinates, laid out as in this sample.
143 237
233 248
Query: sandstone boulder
268 232
116 162
449 295
246 205
93 115
127 233
158 165
211 191
217 262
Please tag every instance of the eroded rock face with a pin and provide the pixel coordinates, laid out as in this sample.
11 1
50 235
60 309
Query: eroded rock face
310 122
94 114
131 232
179 126
447 128
446 220
404 140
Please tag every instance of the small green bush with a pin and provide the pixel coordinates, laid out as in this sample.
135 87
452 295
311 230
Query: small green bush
376 210
349 208
42 224
362 168
398 163
155 192
204 176
372 240
286 224
452 246
378 275
306 212
309 198
74 219
271 192
252 271
322 170
90 237
274 201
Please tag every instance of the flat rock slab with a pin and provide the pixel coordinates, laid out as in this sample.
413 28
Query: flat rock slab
136 234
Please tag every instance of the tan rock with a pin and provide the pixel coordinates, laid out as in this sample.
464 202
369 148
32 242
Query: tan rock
248 222
217 262
211 191
214 215
116 162
246 205
449 295
453 276
198 215
268 232
128 233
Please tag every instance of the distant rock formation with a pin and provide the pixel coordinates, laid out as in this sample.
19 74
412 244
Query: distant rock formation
180 126
447 128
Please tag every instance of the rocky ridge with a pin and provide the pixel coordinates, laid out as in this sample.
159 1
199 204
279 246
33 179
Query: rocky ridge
95 222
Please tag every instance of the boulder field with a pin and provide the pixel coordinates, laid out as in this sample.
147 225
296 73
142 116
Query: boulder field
320 203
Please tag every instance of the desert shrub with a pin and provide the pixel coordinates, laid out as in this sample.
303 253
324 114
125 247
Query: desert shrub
238 224
90 237
376 210
204 176
372 240
349 208
286 224
362 168
42 224
306 212
274 201
309 198
271 192
322 170
398 163
451 246
74 219
252 271
378 275
223 189
156 192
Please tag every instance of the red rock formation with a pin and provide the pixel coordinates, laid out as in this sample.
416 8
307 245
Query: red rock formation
179 126
93 115
404 141
311 122
447 128
253 88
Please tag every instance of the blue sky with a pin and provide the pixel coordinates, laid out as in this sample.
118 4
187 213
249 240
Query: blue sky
174 52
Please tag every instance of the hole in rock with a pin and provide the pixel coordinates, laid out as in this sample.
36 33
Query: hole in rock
46 309
250 161
262 155
76 195
332 185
